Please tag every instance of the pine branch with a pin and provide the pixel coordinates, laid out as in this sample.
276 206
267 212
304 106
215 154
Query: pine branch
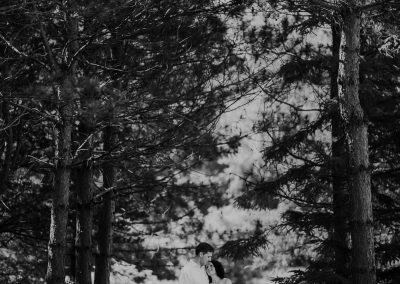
241 248
325 5
379 5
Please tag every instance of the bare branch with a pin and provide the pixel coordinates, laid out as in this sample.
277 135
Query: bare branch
13 123
12 47
78 52
41 161
9 44
80 148
45 115
53 62
103 67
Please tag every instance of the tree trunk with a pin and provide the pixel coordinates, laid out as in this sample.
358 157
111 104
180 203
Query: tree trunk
106 218
85 183
340 196
83 242
363 257
5 169
59 211
59 208
72 227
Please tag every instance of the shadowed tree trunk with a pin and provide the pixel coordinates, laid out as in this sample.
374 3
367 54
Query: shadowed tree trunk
8 132
85 180
66 95
83 243
361 221
340 196
72 227
60 196
106 215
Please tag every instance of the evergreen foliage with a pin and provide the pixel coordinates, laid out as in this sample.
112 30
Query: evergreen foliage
116 102
299 162
159 72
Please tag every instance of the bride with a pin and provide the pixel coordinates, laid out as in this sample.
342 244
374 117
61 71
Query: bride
216 273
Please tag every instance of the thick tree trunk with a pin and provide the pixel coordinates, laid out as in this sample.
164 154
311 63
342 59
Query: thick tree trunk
83 242
340 196
66 95
363 256
106 216
105 235
60 196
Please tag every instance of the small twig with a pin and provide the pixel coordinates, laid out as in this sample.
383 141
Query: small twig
41 161
5 205
12 47
13 123
45 115
80 146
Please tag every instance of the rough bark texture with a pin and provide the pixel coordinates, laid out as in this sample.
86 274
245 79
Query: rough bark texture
66 95
363 258
59 208
340 196
83 242
106 217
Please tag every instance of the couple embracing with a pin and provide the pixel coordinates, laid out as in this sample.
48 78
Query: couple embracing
202 269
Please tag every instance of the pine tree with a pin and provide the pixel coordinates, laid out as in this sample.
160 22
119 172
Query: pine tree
160 82
308 184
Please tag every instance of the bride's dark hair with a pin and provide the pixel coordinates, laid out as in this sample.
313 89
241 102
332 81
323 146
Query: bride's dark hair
219 269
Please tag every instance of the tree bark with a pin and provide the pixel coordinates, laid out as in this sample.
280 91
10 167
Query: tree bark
363 256
60 196
72 227
339 175
84 226
106 216
5 169
66 95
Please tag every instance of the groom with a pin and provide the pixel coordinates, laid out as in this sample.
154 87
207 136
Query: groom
194 271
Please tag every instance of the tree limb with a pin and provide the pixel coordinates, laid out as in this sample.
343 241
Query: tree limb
325 5
376 6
